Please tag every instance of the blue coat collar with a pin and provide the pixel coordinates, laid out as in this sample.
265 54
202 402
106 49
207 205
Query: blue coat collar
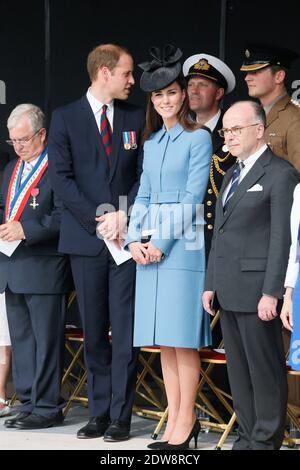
173 133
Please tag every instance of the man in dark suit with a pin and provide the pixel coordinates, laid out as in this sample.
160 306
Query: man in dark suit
245 275
35 278
209 80
96 160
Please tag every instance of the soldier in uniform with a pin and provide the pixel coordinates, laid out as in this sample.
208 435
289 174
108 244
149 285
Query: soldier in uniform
209 79
266 70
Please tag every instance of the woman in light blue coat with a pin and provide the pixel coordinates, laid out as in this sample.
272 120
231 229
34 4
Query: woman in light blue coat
170 267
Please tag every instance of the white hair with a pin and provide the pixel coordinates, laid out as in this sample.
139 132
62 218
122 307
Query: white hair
34 113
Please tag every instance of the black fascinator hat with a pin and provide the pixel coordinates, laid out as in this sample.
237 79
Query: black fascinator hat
162 69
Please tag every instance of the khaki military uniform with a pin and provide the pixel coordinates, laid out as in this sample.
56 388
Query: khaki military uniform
283 130
283 136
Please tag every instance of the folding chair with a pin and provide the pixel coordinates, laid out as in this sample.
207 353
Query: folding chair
75 336
147 380
75 373
71 334
210 358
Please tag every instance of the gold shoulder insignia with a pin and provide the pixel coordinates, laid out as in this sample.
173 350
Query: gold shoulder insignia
295 103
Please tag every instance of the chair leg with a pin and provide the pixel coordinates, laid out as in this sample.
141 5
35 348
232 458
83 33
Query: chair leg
75 394
75 359
13 399
226 432
160 424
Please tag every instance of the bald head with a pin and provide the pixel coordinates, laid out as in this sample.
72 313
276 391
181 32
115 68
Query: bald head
244 125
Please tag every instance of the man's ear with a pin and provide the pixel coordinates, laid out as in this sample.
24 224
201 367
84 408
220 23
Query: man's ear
43 134
280 76
220 93
103 72
260 130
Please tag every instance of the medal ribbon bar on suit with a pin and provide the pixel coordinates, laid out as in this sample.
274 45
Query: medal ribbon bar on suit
133 144
18 194
126 140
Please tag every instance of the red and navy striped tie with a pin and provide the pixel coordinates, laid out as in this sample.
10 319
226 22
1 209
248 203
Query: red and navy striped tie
106 133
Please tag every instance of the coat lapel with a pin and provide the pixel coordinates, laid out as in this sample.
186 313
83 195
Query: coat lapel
116 137
226 181
91 126
256 172
276 109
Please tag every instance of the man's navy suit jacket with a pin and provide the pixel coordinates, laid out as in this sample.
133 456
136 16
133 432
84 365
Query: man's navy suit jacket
84 177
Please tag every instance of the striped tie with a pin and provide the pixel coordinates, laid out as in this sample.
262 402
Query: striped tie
234 183
106 133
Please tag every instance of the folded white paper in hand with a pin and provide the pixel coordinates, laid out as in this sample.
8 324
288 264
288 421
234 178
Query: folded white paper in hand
119 254
7 248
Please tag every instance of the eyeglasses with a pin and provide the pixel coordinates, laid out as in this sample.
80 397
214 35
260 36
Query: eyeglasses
235 131
21 141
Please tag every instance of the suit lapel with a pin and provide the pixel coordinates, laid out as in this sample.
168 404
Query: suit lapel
116 137
226 181
256 172
91 126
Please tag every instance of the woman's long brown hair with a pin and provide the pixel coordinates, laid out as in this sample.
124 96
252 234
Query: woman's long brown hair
154 121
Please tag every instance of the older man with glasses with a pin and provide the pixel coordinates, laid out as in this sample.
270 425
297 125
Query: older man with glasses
246 272
35 277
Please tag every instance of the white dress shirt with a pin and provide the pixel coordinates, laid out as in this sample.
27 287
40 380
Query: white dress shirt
248 164
293 266
96 106
28 166
211 124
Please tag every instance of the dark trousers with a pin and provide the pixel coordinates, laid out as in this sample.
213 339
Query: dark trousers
36 326
257 376
105 294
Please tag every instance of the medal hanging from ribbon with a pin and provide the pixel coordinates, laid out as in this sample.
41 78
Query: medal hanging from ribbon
34 194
